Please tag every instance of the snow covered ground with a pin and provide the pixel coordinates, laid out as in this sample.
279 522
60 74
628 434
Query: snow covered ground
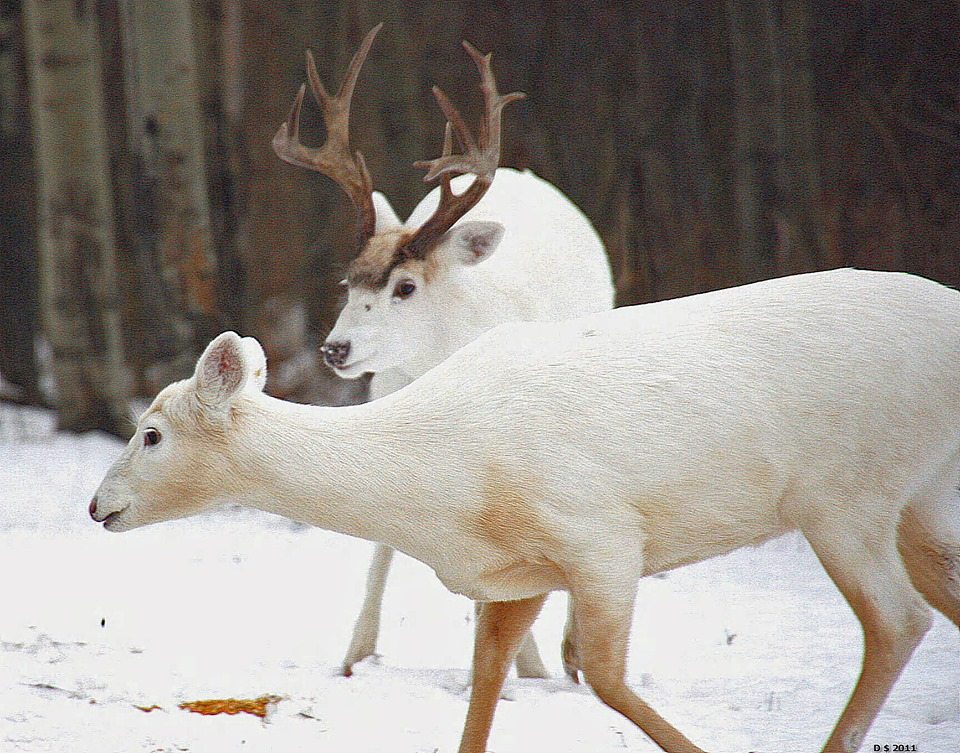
755 651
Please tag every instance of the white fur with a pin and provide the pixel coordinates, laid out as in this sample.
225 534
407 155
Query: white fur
550 264
525 252
619 445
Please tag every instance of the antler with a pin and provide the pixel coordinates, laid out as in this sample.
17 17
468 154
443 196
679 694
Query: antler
480 157
334 158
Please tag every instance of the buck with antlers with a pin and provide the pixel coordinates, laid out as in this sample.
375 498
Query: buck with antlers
419 290
589 453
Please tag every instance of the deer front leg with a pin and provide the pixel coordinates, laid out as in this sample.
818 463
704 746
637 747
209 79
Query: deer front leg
367 628
501 626
603 618
876 584
568 650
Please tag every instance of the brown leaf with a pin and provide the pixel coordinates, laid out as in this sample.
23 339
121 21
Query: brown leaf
256 706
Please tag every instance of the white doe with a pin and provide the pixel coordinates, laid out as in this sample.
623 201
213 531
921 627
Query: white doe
589 453
421 289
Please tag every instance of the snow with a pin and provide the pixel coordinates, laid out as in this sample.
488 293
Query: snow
755 651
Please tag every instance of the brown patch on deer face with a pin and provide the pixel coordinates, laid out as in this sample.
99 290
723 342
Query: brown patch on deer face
372 268
380 256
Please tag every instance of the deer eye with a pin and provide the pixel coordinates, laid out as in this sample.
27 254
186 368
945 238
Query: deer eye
151 437
404 289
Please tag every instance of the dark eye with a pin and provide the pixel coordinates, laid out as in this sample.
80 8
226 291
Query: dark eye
151 437
404 289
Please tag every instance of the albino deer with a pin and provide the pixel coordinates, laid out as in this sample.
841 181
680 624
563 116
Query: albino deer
418 291
589 453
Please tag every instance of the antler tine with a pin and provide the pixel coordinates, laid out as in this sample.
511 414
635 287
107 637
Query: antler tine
492 99
353 72
338 107
334 158
480 157
294 115
446 190
454 119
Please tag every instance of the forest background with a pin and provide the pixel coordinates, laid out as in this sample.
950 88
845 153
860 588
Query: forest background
710 143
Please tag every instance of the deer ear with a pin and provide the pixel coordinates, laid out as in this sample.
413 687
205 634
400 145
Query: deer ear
386 217
221 371
256 364
472 242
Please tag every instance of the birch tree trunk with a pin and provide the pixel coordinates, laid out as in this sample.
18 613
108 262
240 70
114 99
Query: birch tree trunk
78 276
167 141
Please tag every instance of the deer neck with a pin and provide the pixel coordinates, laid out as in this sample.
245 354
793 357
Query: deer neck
359 470
389 471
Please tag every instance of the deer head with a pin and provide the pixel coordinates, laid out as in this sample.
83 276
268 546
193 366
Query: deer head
397 282
178 461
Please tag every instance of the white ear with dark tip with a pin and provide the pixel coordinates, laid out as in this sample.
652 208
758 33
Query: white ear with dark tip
472 242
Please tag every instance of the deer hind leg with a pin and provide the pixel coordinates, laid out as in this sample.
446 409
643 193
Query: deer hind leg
863 561
602 632
366 630
501 627
929 542
528 661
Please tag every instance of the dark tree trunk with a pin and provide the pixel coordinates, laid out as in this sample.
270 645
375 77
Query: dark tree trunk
216 36
19 305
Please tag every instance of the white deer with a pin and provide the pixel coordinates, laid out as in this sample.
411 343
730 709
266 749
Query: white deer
420 290
589 453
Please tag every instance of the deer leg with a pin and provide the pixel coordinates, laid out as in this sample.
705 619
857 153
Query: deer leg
568 649
602 629
367 627
501 627
929 543
529 663
872 578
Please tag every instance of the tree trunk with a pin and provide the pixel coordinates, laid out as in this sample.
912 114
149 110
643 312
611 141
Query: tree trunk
216 39
19 305
278 212
758 134
285 221
169 174
149 335
78 277
802 234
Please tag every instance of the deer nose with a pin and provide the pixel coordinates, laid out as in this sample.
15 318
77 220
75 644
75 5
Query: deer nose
335 353
93 508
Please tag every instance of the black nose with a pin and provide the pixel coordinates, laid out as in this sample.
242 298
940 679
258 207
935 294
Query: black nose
335 353
93 508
